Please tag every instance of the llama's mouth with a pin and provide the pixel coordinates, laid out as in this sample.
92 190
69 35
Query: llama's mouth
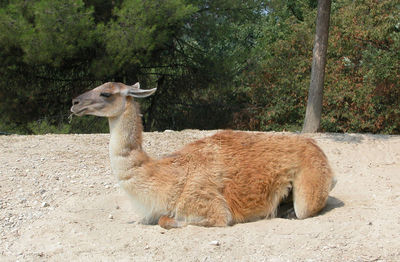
80 112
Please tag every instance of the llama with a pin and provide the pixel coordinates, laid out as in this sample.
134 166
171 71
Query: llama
228 178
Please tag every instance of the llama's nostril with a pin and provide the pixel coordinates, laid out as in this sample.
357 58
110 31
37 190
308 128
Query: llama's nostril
75 102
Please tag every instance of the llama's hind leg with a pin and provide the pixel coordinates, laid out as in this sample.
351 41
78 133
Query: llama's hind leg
310 189
220 218
204 211
215 220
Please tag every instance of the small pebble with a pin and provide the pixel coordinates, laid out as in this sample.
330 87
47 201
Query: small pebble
45 204
110 216
215 243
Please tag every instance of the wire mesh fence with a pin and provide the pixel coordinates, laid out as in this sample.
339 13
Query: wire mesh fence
60 124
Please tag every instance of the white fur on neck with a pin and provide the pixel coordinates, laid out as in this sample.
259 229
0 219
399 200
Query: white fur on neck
125 142
118 149
126 157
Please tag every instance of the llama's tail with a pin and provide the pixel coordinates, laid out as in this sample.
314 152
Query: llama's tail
313 183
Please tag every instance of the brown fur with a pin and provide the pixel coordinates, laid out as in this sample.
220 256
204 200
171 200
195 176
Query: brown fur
231 177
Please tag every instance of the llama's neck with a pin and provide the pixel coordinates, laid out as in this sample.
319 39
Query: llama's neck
126 152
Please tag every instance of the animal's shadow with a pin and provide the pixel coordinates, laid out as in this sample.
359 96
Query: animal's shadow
286 209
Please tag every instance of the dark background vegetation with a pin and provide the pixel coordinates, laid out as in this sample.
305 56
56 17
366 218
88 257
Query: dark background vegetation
216 63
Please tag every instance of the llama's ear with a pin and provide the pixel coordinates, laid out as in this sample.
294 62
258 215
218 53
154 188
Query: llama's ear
137 85
140 93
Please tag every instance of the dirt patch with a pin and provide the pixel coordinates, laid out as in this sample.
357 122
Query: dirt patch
59 202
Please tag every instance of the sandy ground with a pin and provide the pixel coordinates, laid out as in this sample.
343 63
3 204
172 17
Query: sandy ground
59 202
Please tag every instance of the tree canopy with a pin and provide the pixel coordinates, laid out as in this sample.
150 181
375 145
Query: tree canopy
217 64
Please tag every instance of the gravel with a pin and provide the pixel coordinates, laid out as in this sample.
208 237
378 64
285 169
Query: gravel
59 202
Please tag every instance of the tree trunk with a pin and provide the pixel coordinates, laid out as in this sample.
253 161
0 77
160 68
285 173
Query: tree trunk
314 103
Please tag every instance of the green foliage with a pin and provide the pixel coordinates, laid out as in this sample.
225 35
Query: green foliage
216 64
62 31
103 9
63 125
276 88
363 71
209 56
362 91
44 127
88 125
43 59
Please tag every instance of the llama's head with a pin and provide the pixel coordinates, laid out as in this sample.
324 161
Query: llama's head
107 100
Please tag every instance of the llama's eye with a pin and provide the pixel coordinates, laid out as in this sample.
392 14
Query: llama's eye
106 94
